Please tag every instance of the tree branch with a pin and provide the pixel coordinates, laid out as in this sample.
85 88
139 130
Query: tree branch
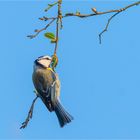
39 31
59 18
30 114
117 12
106 27
100 13
95 13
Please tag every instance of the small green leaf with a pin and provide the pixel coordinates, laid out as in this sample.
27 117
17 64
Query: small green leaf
50 35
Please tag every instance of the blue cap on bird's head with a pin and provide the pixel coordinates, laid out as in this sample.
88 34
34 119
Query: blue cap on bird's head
45 57
43 61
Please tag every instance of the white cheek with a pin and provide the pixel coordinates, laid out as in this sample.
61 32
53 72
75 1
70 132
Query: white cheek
46 63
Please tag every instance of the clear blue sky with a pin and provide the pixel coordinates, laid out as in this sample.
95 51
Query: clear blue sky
100 83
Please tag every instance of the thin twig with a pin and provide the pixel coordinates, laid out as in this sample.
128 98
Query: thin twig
50 6
117 12
106 27
46 18
59 16
100 13
95 13
38 31
30 114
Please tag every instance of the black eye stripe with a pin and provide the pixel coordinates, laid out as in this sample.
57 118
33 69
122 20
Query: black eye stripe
48 58
43 57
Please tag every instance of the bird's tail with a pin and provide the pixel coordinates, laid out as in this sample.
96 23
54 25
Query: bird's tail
63 116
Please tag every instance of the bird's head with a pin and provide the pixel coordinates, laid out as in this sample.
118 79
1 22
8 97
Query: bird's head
43 61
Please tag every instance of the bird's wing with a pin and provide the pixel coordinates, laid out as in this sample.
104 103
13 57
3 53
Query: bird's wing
47 85
55 89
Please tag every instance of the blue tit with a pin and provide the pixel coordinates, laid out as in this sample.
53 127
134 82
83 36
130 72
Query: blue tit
47 85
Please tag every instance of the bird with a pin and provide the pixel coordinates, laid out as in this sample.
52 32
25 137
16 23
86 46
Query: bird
47 85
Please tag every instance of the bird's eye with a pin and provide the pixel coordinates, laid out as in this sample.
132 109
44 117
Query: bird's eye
47 58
